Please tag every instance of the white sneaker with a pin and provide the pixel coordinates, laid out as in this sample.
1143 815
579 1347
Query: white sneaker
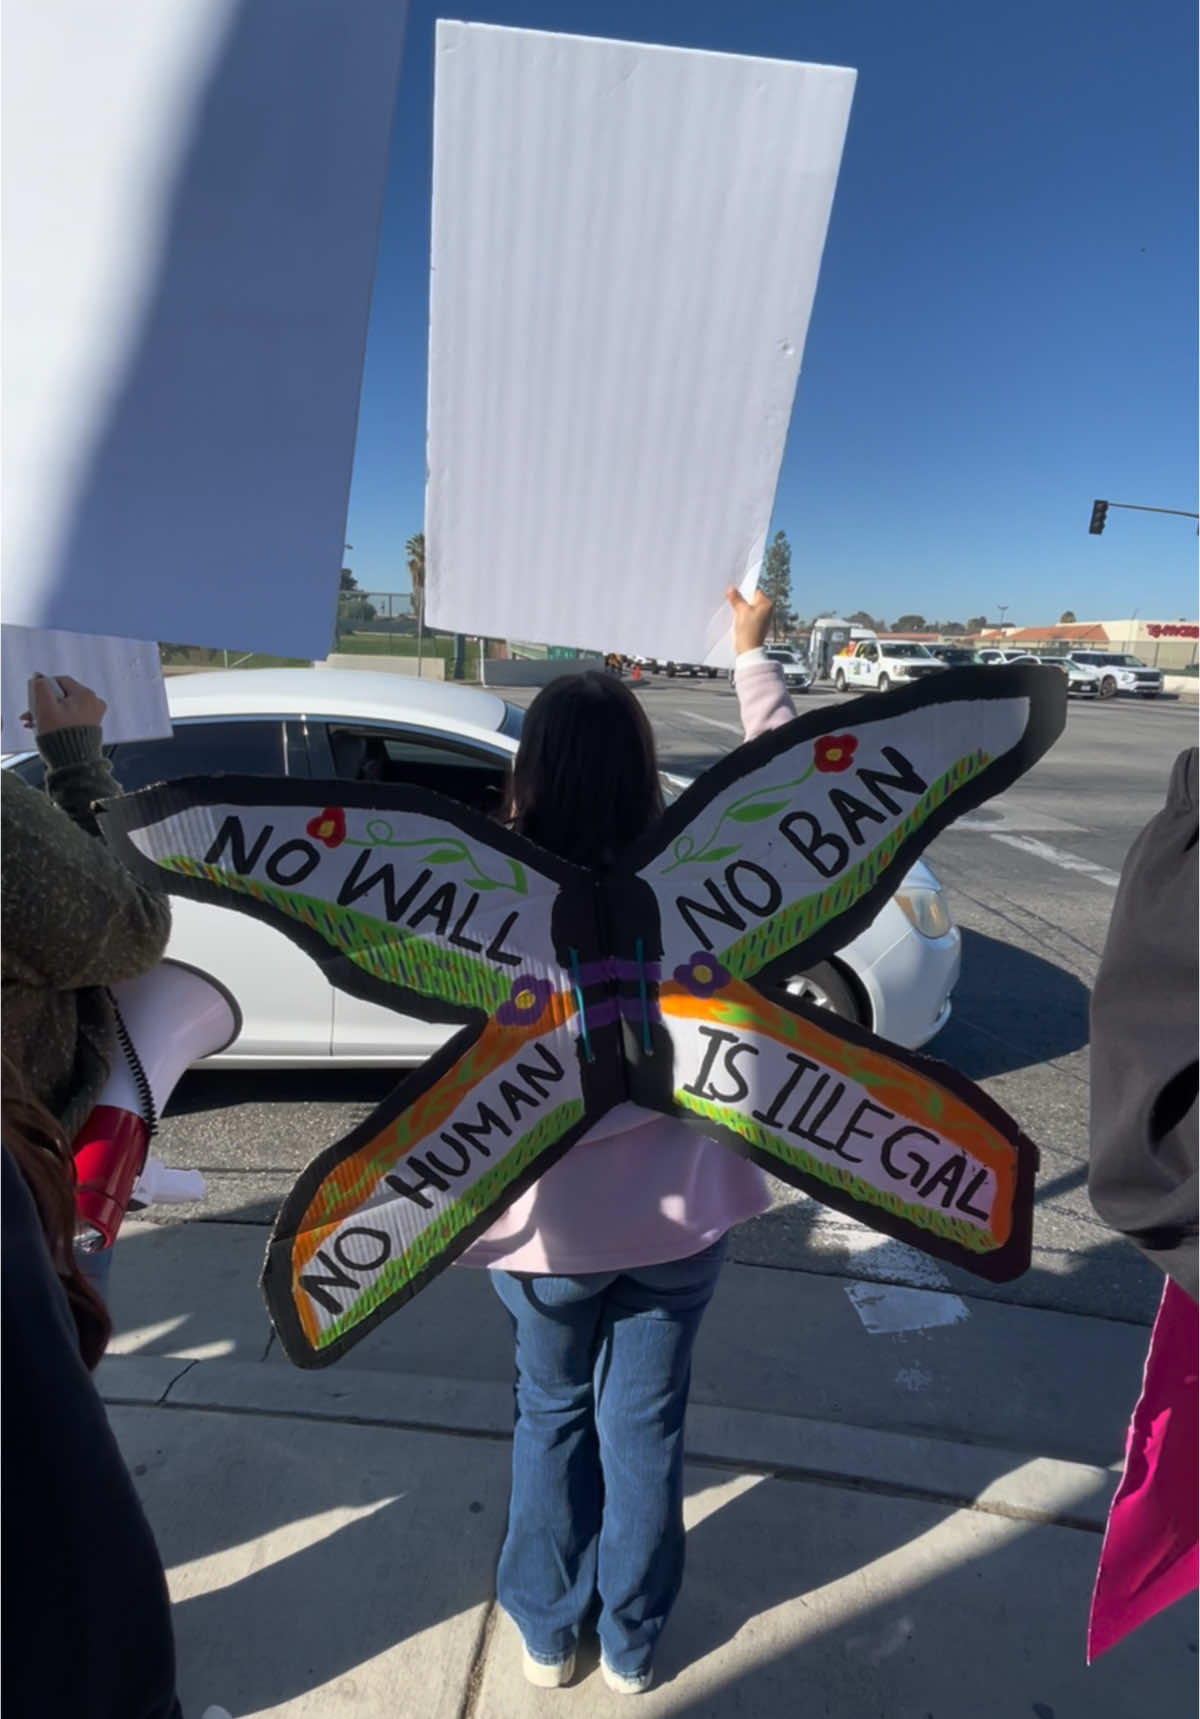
622 1685
555 1675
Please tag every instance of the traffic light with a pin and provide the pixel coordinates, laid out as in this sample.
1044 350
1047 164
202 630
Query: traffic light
1099 515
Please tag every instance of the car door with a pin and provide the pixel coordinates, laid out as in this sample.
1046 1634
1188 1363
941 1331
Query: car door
866 660
286 1003
469 771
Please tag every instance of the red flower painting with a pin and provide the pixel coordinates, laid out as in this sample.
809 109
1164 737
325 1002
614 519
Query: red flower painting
833 753
328 826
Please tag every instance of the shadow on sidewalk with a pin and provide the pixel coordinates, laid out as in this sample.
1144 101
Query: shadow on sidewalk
1012 1010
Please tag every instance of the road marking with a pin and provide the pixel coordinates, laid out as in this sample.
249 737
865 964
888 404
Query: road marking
878 1258
712 721
1061 858
913 1378
886 1311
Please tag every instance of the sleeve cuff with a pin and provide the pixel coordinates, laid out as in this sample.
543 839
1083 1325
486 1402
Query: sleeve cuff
746 659
63 746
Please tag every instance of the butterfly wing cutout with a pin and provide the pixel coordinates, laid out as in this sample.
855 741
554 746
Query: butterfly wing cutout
771 861
788 848
401 896
901 1142
415 902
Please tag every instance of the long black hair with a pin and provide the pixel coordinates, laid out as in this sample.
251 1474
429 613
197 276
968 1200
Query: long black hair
585 779
40 1151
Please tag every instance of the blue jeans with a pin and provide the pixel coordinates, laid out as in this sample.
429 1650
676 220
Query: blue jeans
603 1366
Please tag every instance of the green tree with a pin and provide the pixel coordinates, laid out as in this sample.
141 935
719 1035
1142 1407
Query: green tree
910 624
860 618
347 582
977 623
776 581
414 554
952 629
1067 618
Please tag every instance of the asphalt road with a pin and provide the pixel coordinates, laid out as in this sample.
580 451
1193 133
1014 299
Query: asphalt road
1030 879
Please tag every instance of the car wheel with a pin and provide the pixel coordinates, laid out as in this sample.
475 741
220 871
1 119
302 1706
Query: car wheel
711 673
1108 687
825 988
839 680
670 671
885 683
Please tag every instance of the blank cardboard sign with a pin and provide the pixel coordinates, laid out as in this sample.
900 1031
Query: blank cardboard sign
192 192
125 672
626 242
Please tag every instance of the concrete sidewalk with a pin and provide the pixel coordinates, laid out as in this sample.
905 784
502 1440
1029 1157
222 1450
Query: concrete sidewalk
894 1503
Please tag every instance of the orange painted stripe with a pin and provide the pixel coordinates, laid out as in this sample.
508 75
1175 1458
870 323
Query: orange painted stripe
494 1047
900 1087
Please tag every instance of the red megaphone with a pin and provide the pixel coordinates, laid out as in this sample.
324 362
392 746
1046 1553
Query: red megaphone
166 1020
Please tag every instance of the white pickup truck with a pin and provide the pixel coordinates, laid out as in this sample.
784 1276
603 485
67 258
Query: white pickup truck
877 664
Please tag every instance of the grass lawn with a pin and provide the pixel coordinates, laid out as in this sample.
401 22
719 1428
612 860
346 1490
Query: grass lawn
403 645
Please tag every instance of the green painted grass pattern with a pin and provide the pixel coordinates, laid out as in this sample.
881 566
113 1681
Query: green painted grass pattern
386 952
798 921
400 1272
412 1125
958 1230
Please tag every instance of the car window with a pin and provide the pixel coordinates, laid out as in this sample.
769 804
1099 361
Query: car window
379 752
250 747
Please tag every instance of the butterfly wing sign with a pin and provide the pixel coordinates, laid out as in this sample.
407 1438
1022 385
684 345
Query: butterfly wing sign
405 899
656 983
775 858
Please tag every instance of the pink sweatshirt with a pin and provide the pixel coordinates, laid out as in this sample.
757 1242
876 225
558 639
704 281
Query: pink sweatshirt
580 1216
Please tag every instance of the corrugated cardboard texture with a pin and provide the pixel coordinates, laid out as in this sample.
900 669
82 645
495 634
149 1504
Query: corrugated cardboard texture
626 242
125 672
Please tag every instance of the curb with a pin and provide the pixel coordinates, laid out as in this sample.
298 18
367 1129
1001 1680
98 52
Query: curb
977 1477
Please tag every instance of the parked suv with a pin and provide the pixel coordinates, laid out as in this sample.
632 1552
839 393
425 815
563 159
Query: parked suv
1080 678
1120 672
954 656
797 674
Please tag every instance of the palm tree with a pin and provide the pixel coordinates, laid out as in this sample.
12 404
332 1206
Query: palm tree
414 551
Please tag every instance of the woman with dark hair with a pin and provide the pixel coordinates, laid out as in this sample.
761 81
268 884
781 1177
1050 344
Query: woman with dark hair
607 1263
585 780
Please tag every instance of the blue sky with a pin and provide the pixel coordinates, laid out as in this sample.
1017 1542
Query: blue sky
1005 325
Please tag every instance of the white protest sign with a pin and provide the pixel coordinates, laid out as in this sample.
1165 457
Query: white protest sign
625 249
192 193
125 673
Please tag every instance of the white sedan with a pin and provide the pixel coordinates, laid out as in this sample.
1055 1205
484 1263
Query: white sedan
347 725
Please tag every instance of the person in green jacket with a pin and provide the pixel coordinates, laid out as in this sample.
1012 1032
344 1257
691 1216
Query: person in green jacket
72 920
